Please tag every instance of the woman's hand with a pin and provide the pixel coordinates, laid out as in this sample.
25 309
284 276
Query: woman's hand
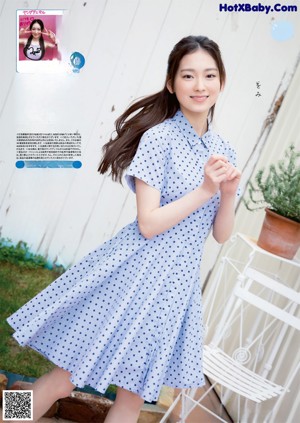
224 220
215 173
230 185
50 34
23 30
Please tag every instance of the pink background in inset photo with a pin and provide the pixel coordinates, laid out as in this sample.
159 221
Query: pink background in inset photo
51 22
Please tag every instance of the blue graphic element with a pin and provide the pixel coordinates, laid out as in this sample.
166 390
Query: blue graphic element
77 164
282 30
77 61
20 164
49 164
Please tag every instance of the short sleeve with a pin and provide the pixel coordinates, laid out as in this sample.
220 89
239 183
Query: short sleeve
148 163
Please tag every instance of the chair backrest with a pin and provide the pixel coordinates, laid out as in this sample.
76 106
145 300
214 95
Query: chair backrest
286 315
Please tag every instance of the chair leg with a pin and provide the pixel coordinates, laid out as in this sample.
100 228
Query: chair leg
197 403
171 408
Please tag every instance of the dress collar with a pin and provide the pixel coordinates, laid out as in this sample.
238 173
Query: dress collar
189 132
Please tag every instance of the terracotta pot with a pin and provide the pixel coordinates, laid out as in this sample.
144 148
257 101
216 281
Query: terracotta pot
279 235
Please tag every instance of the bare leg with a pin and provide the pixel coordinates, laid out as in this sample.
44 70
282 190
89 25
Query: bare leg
48 389
126 408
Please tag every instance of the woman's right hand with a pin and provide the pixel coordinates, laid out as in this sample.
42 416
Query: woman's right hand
214 173
22 30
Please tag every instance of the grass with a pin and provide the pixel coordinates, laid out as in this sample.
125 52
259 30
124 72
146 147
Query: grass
19 284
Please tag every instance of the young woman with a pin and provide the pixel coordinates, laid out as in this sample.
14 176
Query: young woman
130 312
35 45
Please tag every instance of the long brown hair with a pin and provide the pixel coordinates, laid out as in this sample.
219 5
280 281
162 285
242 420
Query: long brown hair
151 110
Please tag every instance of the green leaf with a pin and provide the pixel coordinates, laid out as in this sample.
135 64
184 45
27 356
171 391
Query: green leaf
278 188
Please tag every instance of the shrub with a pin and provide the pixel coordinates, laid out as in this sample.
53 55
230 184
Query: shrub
279 190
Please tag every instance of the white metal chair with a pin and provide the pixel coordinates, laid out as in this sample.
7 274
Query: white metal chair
272 306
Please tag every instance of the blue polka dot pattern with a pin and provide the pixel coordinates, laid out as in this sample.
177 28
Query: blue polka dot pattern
130 312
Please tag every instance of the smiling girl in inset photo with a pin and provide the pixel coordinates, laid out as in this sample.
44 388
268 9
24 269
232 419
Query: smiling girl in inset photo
35 45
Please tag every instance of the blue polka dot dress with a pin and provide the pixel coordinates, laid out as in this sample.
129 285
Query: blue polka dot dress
130 312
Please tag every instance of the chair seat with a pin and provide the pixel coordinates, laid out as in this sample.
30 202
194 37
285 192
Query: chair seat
223 369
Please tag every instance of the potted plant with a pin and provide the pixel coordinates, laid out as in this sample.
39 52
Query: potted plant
279 193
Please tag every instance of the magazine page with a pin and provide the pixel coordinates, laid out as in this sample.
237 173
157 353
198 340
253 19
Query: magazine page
98 267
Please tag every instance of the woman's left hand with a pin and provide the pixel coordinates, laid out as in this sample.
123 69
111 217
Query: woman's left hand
50 34
231 183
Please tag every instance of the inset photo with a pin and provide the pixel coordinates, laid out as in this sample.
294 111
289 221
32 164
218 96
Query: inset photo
39 47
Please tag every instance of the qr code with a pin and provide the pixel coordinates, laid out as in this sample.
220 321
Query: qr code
17 405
